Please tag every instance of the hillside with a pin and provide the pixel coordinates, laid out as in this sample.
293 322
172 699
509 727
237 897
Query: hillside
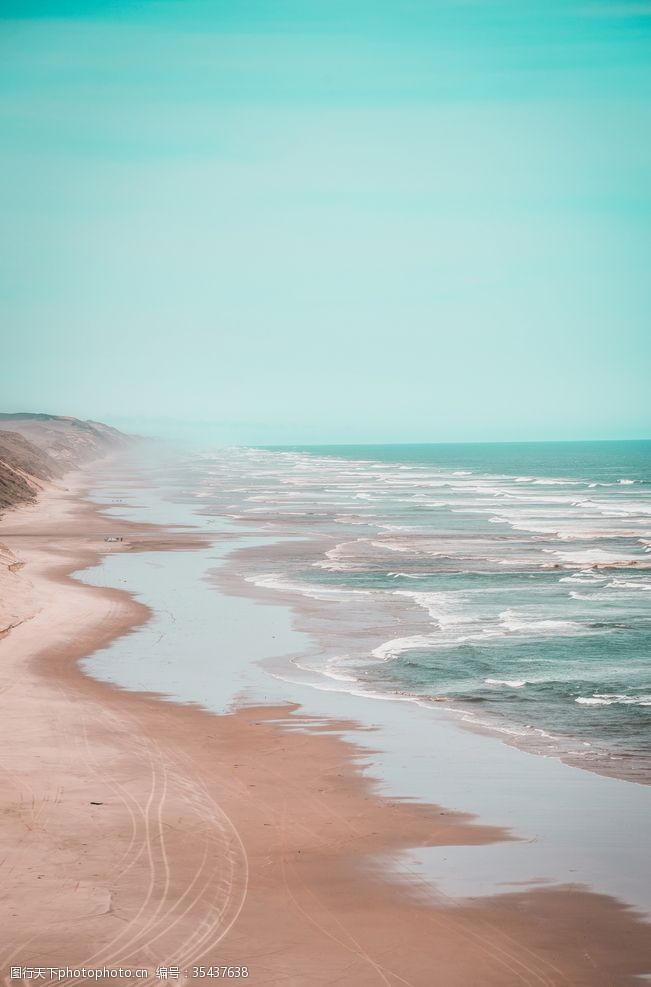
36 448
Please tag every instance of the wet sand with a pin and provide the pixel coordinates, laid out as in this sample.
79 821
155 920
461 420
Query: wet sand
142 833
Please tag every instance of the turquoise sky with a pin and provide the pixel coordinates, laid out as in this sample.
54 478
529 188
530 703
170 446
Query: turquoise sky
329 220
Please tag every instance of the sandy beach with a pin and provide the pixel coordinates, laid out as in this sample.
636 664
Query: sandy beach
325 493
142 834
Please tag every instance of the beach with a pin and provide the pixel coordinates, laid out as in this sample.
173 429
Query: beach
325 493
221 817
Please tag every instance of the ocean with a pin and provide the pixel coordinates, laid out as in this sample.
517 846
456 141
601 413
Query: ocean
509 584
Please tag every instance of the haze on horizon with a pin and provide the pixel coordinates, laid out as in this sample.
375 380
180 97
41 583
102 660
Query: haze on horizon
321 221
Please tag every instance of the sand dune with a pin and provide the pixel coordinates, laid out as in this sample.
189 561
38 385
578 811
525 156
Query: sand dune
37 448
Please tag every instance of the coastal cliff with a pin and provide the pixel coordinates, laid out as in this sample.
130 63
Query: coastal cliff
38 448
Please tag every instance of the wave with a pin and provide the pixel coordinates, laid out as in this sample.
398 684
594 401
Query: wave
395 527
613 699
281 584
592 557
397 646
636 584
490 621
512 683
443 608
557 483
392 546
332 558
585 577
521 623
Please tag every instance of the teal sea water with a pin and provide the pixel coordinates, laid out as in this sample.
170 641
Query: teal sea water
510 582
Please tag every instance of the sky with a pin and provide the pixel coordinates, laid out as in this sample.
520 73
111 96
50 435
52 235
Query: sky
328 220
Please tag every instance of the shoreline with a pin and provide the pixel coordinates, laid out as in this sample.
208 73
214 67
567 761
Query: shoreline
537 740
300 864
441 606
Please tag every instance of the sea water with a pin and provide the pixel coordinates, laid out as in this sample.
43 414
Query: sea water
509 582
274 522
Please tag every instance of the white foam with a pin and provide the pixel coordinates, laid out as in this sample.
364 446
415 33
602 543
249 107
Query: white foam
613 699
595 597
557 483
335 555
393 546
585 576
519 622
593 556
443 608
278 582
512 683
643 585
395 647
